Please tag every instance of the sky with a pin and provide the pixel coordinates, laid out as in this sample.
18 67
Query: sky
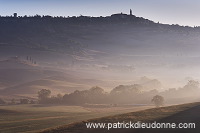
182 12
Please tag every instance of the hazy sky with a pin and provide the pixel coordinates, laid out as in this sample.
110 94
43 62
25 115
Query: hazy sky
183 12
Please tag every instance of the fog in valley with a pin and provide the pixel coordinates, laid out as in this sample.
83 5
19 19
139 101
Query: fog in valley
119 59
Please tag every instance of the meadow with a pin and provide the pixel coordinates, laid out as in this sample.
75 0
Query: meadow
35 118
169 114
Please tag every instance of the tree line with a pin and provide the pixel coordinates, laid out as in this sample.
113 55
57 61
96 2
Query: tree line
122 94
119 95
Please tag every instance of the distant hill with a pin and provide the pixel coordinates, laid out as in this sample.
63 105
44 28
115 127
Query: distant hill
57 84
118 48
75 36
14 71
97 40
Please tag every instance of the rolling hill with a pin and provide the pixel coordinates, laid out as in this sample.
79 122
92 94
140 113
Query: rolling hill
111 48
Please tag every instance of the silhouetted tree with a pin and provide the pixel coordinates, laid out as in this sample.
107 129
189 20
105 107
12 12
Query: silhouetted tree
77 97
94 95
59 96
24 101
125 93
192 84
56 99
158 100
44 95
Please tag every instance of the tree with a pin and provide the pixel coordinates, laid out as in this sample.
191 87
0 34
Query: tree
24 101
158 100
59 96
192 84
44 95
95 95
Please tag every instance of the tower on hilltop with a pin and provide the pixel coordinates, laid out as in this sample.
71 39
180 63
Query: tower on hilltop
131 13
15 15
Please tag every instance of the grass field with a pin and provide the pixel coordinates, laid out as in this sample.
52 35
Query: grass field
35 118
148 115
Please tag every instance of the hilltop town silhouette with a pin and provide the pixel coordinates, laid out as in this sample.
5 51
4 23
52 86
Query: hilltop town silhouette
118 17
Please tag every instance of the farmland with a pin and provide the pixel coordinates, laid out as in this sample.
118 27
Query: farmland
172 114
34 118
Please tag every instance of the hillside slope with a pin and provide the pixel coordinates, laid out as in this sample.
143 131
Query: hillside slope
176 113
